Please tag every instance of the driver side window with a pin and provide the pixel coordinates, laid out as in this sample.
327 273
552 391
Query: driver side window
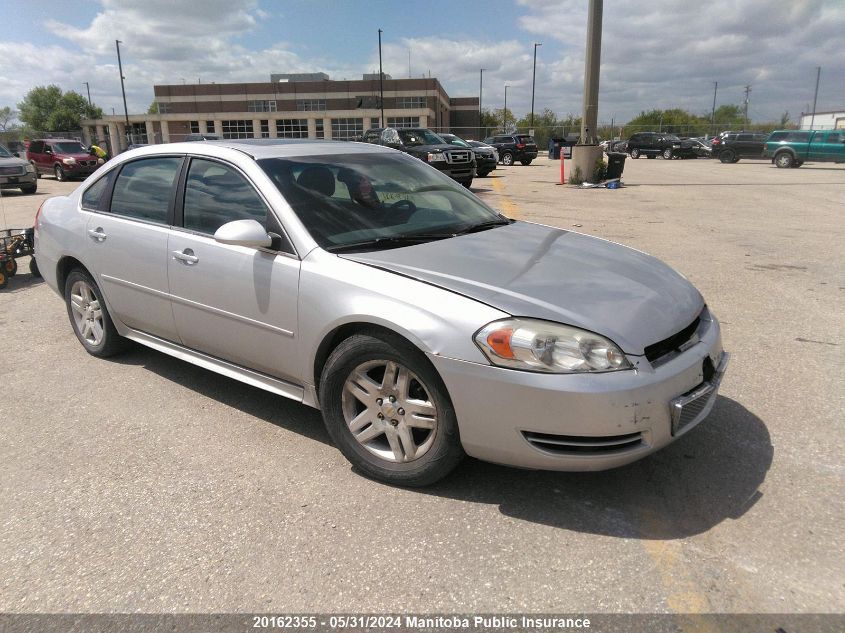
216 194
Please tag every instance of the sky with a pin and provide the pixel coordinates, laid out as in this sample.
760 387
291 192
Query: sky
657 54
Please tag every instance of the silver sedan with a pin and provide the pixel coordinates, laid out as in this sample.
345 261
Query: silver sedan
361 281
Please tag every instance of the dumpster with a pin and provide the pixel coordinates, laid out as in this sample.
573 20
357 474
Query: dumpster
566 144
615 165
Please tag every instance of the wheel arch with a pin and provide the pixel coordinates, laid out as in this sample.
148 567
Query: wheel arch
63 268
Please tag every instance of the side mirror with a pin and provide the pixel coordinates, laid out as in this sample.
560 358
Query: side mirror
243 233
47 150
390 137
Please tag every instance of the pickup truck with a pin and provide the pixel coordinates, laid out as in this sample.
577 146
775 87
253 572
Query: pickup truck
791 148
456 162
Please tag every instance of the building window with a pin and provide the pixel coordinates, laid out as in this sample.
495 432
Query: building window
265 128
407 103
375 122
209 127
138 133
402 121
368 102
311 105
292 128
237 129
319 128
347 129
195 127
163 108
261 106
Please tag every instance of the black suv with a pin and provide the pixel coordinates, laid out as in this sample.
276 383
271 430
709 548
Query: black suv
456 162
654 144
513 147
731 146
486 157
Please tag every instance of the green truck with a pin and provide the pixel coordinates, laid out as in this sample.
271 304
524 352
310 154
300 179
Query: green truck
792 148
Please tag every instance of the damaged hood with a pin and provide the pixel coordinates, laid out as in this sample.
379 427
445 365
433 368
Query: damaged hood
530 270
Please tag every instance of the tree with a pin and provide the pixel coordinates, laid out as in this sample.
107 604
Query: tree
7 116
46 108
153 109
673 121
730 117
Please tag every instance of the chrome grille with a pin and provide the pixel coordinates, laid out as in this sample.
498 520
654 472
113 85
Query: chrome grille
691 407
579 445
14 170
458 156
677 341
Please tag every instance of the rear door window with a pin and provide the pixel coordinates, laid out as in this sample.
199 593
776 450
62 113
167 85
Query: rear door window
144 189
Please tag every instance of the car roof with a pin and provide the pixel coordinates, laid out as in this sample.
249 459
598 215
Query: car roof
270 148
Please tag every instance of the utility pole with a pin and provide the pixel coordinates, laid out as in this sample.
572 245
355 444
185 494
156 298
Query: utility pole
480 93
713 113
381 82
815 96
89 91
747 92
592 64
533 80
505 111
123 90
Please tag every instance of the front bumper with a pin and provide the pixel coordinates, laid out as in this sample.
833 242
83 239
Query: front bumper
13 182
583 421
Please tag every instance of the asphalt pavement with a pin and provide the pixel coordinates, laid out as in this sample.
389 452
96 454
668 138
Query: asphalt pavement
145 484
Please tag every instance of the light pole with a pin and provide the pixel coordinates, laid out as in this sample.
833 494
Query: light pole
89 91
505 111
713 113
480 93
381 82
123 90
533 79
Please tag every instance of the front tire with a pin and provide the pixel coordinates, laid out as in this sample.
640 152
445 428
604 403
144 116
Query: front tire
667 153
784 160
727 156
30 188
635 153
525 162
507 159
60 173
89 316
33 267
467 183
387 410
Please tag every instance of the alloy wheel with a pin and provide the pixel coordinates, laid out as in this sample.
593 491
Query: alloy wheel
389 411
87 313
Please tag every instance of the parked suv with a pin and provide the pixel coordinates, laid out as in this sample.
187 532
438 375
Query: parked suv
486 157
735 145
64 158
654 144
790 148
16 173
206 136
514 147
456 162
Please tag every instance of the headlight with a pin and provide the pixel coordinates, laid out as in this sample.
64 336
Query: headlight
548 347
436 157
69 161
30 169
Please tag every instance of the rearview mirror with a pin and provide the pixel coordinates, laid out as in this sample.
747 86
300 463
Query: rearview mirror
243 233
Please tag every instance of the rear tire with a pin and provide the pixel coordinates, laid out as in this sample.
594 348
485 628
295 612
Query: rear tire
727 156
366 386
525 162
784 160
89 316
33 267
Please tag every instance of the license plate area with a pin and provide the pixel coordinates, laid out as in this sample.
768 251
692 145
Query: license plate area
691 407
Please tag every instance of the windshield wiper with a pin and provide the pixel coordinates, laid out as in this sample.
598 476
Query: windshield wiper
393 240
483 226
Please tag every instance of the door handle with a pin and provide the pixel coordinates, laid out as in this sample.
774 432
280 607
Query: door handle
186 257
97 234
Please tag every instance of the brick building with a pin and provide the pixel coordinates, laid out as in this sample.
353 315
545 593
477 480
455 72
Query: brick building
289 106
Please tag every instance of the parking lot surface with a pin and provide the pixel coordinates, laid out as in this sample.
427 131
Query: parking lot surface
144 484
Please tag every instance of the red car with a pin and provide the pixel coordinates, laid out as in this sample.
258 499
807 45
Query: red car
63 158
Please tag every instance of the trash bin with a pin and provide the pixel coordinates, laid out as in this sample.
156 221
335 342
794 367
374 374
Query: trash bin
556 145
615 165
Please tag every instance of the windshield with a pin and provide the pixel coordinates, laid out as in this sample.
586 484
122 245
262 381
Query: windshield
346 199
671 137
4 152
454 140
69 147
420 137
